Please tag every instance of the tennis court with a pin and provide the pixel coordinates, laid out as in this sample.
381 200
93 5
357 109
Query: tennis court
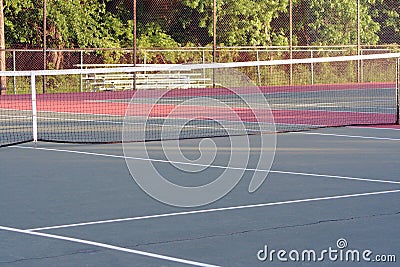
323 195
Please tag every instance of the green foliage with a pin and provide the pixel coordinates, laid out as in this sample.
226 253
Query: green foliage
239 23
180 23
334 21
387 14
85 23
155 37
247 22
22 22
72 23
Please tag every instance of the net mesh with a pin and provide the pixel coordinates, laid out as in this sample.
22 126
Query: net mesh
200 100
15 119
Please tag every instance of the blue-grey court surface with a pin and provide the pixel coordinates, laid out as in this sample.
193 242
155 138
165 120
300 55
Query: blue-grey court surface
332 198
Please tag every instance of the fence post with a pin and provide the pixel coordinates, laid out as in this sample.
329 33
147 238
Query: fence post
361 71
14 69
214 37
81 63
258 68
134 41
397 92
291 40
3 79
312 67
44 42
203 61
358 41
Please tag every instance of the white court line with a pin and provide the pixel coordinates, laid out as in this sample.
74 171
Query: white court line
211 166
107 246
348 136
13 119
333 90
337 104
336 177
374 128
15 116
215 210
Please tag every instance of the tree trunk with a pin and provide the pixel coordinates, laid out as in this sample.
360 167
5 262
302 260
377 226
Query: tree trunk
56 57
3 79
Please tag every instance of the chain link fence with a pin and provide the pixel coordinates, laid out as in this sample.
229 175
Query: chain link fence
81 34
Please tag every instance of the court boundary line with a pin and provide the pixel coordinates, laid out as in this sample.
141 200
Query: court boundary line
336 177
107 246
374 128
210 166
349 136
260 205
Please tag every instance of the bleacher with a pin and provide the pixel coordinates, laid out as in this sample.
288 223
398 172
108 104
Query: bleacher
172 79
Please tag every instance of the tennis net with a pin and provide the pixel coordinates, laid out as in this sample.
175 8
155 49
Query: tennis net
199 100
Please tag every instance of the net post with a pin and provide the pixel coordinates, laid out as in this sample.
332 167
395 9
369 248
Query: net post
34 108
397 92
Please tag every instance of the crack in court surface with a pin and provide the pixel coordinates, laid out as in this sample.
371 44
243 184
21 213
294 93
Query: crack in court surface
81 251
270 229
92 251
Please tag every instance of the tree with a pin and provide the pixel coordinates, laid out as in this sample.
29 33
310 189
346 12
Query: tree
239 22
335 23
190 22
73 23
387 14
23 23
331 22
82 23
248 22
